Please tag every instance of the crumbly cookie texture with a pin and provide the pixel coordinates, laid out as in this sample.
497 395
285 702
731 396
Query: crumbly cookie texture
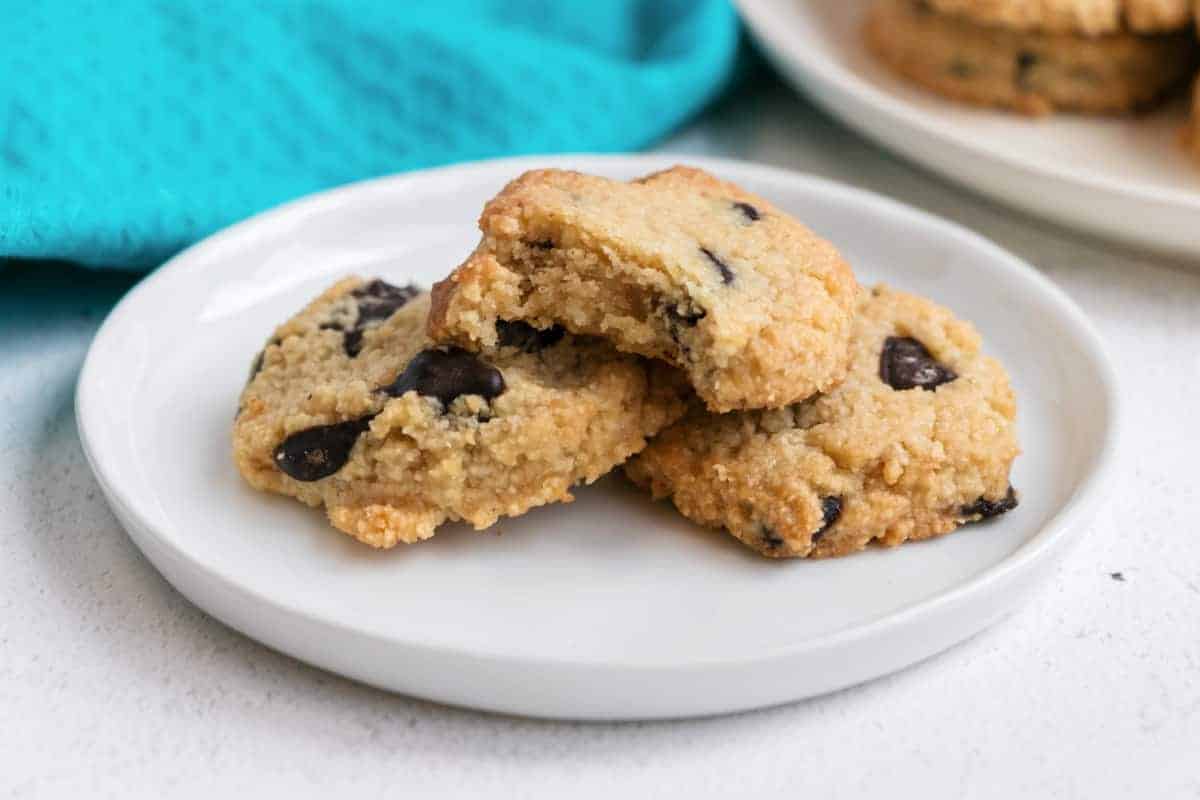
1084 17
1028 71
679 266
350 406
916 441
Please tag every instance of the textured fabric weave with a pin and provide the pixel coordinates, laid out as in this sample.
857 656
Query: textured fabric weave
130 129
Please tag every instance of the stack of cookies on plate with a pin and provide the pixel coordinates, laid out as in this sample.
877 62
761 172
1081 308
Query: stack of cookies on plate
1038 56
675 324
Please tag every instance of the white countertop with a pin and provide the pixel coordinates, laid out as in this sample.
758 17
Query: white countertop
111 684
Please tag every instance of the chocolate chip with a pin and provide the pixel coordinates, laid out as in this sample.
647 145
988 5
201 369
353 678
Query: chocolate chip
257 364
352 341
1026 61
542 244
991 508
316 453
378 300
748 210
677 321
447 374
689 319
527 338
770 538
831 509
906 364
722 267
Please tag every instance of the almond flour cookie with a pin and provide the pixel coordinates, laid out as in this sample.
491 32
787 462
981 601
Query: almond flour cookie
916 441
1085 17
678 266
1028 71
351 406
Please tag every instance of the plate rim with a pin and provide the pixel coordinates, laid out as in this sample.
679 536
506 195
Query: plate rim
758 14
1054 532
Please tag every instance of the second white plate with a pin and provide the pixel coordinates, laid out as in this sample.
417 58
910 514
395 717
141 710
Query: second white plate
1125 178
613 606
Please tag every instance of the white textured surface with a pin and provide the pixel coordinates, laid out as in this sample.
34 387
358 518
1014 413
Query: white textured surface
113 685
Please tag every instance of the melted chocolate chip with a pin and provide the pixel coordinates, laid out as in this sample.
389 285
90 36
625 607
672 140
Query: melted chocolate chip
542 244
991 508
750 212
376 301
447 374
722 267
906 364
831 509
526 337
1026 61
316 453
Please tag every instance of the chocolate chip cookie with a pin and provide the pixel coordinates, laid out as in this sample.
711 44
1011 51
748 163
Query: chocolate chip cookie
679 266
352 407
1085 17
916 441
1033 72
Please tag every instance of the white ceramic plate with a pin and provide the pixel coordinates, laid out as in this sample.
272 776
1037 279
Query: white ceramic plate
1125 178
614 606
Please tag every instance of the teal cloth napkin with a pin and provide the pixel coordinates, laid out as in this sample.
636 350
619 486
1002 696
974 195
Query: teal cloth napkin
130 128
